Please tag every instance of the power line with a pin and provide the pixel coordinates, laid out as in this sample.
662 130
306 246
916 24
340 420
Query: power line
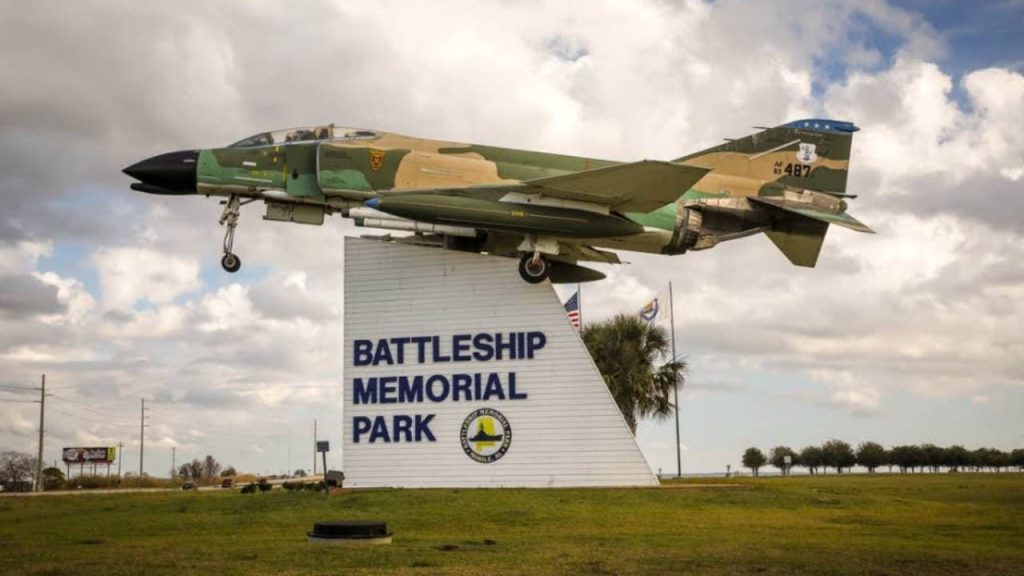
96 419
260 388
87 407
33 388
101 419
59 411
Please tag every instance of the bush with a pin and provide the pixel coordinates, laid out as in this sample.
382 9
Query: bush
249 488
91 482
53 478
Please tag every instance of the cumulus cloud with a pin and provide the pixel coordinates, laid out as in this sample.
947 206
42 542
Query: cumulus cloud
230 308
26 296
847 392
931 307
287 297
75 300
925 153
131 275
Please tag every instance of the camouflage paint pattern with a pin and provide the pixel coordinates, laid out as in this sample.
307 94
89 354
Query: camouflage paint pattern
773 181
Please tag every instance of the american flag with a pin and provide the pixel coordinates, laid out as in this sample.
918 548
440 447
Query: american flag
572 310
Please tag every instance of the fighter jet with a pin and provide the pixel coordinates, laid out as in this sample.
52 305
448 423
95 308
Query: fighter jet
550 211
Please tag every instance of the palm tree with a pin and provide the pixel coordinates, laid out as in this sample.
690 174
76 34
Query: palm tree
625 350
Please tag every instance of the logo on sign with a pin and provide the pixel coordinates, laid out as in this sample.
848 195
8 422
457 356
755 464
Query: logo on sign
486 435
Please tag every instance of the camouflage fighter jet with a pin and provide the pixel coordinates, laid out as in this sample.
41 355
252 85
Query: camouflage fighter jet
548 210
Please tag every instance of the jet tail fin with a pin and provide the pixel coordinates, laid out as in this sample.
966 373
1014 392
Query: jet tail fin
812 154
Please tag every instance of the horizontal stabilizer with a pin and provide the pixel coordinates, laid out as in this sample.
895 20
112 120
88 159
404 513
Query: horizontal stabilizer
840 219
637 187
800 240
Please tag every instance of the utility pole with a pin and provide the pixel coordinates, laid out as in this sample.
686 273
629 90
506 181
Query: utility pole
142 436
120 456
174 461
42 413
314 446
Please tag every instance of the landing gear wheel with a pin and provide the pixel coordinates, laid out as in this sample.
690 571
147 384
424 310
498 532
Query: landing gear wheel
231 262
533 268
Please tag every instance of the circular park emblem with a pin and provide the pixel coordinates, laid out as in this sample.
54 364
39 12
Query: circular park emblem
486 435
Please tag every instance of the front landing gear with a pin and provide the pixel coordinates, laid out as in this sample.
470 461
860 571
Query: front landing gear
230 262
534 268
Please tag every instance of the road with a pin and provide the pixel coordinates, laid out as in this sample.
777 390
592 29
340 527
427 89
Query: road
215 487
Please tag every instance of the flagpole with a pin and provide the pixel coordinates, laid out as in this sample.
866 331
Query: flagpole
579 302
675 389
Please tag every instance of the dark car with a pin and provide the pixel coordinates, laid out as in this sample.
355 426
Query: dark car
190 485
227 483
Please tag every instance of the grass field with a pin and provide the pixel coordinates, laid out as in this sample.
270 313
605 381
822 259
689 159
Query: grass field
919 524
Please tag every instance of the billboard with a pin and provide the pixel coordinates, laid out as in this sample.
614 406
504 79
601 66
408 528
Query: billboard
101 455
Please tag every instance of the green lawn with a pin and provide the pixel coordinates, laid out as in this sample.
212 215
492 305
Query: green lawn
917 524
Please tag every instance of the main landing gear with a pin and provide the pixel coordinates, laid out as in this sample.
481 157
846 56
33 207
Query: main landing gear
230 261
534 268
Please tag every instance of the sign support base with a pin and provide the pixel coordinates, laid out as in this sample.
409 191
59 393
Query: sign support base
459 374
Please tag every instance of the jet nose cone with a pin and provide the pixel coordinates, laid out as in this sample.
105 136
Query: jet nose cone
170 173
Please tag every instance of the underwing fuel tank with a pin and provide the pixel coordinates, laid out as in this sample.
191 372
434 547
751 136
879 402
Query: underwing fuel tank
531 219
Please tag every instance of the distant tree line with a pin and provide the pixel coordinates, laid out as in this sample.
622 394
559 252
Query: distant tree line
17 471
840 456
205 469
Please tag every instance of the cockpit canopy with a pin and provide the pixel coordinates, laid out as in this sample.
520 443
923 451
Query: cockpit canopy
304 134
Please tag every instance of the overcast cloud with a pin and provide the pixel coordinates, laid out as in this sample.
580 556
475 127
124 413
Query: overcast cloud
913 335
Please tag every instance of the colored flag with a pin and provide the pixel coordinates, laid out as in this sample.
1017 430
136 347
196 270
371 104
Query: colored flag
572 310
649 313
656 311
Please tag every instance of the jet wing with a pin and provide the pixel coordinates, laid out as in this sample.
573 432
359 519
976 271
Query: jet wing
636 187
839 219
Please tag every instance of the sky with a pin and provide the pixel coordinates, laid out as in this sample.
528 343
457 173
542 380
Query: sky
912 335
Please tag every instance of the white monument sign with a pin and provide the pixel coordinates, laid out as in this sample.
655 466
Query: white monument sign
458 373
